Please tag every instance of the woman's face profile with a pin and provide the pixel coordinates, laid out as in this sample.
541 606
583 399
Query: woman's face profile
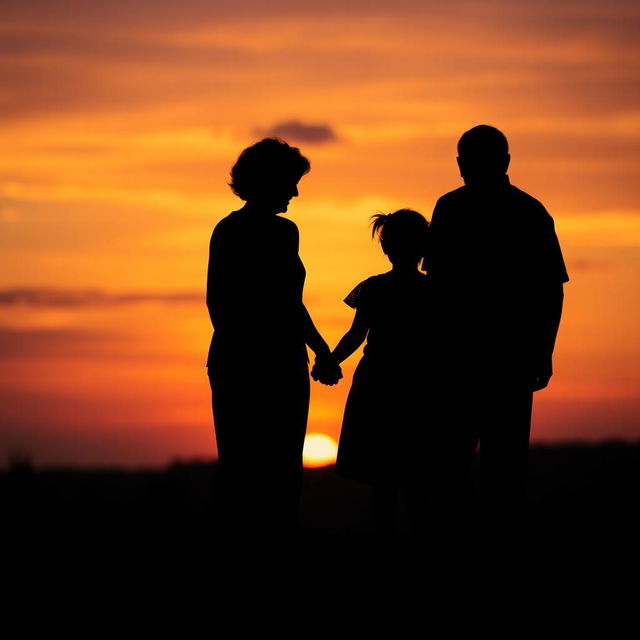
278 196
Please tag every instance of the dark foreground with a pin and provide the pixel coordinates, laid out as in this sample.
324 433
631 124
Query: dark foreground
590 489
140 542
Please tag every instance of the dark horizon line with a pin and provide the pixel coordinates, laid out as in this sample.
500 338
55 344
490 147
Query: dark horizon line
24 463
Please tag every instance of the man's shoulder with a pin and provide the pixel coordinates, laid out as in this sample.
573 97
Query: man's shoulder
452 198
462 194
527 201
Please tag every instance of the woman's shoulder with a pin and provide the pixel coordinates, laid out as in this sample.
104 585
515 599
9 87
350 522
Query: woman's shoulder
238 223
284 223
286 227
221 236
226 224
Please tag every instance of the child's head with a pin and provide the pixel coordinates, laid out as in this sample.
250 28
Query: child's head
402 234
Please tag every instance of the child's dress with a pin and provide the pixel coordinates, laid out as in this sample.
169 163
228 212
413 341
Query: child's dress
384 422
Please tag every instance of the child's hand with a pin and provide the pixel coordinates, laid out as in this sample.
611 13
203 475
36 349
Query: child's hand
329 379
326 371
325 375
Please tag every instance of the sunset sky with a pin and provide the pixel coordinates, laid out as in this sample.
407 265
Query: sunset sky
120 121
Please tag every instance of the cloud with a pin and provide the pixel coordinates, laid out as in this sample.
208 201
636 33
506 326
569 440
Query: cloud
297 131
50 297
53 342
583 264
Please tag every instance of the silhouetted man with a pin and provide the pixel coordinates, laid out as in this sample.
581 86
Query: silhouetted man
498 270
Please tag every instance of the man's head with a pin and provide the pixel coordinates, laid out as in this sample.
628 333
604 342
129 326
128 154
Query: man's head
483 154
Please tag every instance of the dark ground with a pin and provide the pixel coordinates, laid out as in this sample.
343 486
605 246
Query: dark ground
586 488
139 542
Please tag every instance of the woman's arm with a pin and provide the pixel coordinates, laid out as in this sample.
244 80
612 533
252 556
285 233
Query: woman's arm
312 336
215 284
353 338
325 368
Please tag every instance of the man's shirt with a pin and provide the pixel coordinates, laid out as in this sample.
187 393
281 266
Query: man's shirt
494 255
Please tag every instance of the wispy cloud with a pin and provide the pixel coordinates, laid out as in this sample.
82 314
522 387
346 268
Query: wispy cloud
52 297
296 131
582 264
55 342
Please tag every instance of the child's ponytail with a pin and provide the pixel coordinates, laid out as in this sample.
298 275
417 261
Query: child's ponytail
378 221
404 234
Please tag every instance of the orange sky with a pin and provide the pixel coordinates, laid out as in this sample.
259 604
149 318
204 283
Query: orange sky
120 121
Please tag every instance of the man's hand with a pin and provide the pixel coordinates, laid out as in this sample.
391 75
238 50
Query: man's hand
540 382
541 377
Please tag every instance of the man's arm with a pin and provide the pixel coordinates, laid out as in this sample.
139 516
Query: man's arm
549 312
553 273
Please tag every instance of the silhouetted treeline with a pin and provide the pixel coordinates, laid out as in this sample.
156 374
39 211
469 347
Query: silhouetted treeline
590 488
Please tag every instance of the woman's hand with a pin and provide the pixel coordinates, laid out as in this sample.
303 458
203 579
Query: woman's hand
326 370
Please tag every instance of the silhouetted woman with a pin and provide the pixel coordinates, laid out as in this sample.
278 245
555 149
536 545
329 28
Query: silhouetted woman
258 364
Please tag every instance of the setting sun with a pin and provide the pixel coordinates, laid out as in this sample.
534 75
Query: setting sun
319 450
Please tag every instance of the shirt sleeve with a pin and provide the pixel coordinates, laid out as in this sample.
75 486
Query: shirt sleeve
550 260
358 298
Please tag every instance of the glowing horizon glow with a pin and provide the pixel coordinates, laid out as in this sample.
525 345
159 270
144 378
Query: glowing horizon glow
320 450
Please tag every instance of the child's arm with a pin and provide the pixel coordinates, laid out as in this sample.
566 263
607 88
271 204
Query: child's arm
353 338
323 370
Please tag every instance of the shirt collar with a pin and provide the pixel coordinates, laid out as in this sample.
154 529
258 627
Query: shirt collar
494 184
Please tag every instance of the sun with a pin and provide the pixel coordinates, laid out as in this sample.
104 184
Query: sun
319 450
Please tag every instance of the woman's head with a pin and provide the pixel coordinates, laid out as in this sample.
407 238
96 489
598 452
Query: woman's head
403 235
267 174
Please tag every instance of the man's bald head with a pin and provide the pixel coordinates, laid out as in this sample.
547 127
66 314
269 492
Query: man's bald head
483 154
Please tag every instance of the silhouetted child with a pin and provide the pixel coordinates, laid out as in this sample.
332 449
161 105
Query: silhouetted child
383 423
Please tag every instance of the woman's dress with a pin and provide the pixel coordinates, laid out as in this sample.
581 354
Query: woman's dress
258 365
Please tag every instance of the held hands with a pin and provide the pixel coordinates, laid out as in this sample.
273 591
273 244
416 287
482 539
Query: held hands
326 370
540 382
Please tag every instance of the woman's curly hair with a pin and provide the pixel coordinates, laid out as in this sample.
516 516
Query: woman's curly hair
265 164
